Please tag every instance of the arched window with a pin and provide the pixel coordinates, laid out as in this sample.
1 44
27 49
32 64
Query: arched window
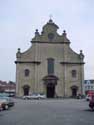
27 72
74 73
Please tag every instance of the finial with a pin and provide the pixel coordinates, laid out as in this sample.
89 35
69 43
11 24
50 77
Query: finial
50 16
36 32
81 51
19 50
50 20
81 54
64 32
18 54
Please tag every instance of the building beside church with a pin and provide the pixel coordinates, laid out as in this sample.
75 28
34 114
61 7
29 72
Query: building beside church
8 87
50 66
88 86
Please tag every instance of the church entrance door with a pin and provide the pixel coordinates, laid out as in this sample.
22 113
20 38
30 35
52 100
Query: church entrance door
26 89
50 82
50 91
74 91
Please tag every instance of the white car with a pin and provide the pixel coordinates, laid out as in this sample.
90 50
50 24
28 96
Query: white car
26 97
35 96
42 96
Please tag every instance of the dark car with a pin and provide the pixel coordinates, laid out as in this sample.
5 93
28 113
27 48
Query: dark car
9 100
3 104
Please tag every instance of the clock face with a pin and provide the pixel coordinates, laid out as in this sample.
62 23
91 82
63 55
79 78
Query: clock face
50 36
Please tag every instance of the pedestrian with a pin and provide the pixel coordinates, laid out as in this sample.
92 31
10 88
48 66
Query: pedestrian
91 102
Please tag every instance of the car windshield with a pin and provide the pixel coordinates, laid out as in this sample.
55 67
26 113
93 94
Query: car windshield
41 94
34 93
4 95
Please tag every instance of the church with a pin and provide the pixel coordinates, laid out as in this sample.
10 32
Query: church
50 66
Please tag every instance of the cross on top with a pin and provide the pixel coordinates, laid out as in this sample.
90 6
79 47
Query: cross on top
50 16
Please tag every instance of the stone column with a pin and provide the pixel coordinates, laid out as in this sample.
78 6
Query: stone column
82 78
36 69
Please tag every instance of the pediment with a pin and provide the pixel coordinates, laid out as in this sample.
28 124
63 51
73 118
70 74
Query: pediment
49 34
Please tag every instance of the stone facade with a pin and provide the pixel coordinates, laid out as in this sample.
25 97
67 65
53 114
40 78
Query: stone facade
32 75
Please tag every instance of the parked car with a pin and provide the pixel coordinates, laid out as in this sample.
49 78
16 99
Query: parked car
38 96
4 95
42 96
35 96
8 99
88 97
3 104
26 97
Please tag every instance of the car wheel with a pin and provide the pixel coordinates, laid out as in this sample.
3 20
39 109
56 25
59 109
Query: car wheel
1 109
6 107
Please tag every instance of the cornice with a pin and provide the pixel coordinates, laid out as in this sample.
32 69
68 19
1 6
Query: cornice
81 63
51 42
34 62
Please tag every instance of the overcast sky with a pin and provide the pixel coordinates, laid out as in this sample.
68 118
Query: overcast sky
20 18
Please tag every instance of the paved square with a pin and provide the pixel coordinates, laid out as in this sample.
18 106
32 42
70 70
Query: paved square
48 112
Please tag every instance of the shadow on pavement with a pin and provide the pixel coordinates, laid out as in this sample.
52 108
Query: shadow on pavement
89 110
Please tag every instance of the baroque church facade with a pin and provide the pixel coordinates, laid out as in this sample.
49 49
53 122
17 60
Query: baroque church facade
50 66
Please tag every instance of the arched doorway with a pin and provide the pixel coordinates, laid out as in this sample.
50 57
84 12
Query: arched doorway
26 89
50 82
50 92
74 91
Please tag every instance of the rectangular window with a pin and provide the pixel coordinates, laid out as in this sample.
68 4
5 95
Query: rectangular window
74 73
91 87
50 66
26 72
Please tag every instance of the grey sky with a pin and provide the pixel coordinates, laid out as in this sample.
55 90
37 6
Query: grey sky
20 18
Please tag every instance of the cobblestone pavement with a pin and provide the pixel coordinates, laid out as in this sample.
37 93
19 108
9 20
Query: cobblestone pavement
48 112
